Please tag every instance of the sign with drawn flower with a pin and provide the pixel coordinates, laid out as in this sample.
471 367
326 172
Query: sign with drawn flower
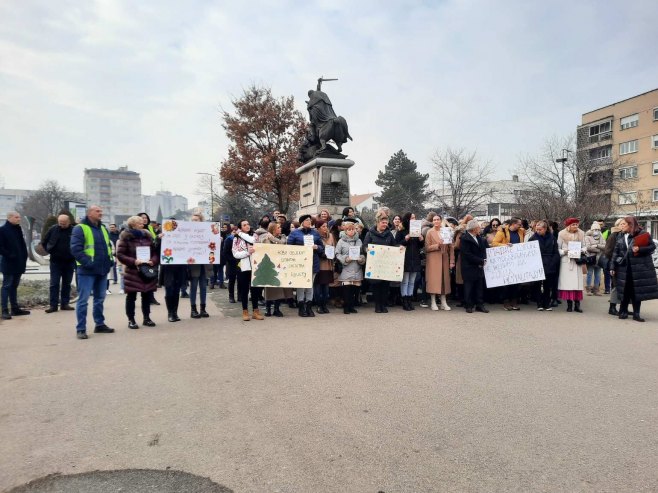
189 242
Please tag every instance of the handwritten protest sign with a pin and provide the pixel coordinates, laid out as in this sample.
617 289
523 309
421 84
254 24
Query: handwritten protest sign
513 265
385 263
573 249
415 227
189 242
286 266
446 235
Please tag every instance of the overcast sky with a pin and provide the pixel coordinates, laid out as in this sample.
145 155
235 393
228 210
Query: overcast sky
106 83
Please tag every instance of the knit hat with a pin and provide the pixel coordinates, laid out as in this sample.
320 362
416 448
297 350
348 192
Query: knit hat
304 217
349 220
570 221
596 225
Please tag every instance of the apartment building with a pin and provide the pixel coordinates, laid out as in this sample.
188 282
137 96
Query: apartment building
163 204
621 139
118 192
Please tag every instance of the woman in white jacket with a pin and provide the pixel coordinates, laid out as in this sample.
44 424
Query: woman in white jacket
570 282
243 247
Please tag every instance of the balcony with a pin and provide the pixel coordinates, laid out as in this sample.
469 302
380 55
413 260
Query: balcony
593 139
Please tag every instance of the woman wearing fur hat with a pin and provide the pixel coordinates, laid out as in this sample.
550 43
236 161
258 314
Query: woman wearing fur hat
595 244
570 282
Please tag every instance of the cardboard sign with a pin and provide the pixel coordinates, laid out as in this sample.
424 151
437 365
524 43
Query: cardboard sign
513 265
446 235
415 227
385 263
573 250
190 242
285 266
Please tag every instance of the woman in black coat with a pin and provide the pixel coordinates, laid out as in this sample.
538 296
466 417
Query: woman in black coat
632 267
550 258
379 235
412 263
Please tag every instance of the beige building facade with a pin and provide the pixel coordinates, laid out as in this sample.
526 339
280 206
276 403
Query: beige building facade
118 192
622 139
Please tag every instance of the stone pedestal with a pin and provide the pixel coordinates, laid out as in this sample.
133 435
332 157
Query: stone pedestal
324 184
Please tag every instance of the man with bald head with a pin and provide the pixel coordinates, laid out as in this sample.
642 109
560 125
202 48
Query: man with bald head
57 243
14 260
92 249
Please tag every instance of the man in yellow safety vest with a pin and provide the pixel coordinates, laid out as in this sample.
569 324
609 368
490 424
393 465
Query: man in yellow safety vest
92 249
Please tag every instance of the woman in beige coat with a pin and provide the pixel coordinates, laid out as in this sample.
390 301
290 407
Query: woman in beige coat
440 258
570 283
274 296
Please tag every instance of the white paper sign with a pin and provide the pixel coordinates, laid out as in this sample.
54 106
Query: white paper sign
446 235
385 263
190 242
574 249
513 265
354 252
143 253
330 251
415 226
308 240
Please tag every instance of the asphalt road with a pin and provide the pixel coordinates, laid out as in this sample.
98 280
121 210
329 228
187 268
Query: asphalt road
420 402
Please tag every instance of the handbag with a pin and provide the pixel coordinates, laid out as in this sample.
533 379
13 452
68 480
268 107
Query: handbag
590 260
338 267
582 260
147 272
602 262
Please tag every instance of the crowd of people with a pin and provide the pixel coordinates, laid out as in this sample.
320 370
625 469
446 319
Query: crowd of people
439 270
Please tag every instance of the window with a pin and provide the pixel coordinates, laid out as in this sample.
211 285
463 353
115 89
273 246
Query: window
627 198
629 121
654 141
627 173
600 128
655 114
600 152
655 195
655 168
627 147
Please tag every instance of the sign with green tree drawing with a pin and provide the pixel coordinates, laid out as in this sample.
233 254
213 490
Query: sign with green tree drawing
286 266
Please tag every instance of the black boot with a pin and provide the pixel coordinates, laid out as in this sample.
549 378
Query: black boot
277 309
268 309
569 305
148 322
194 313
203 312
636 312
309 309
576 307
623 311
323 307
174 310
132 324
302 309
170 311
613 310
348 299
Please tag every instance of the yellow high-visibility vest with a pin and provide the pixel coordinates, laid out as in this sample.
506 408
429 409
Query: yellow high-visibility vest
90 243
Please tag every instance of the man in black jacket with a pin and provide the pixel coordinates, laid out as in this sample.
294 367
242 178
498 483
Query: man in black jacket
57 243
473 254
13 251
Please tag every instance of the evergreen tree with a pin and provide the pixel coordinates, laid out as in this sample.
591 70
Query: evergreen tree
404 189
266 274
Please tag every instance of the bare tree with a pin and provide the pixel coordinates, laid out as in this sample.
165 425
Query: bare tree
464 181
567 183
49 200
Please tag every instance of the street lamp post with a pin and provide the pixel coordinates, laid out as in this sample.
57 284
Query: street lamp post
562 160
212 201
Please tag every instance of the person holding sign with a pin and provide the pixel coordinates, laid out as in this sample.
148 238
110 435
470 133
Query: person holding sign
550 258
379 234
440 258
198 281
410 236
348 253
274 295
307 236
473 255
243 247
632 266
507 236
325 275
135 248
570 283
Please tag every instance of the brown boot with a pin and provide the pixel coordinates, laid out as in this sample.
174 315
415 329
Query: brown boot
588 290
596 291
245 315
257 315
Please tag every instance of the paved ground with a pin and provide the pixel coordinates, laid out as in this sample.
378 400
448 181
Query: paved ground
417 402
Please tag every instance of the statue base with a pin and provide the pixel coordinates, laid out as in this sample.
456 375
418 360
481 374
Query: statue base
324 184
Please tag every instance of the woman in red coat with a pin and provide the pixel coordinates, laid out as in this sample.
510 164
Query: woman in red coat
135 245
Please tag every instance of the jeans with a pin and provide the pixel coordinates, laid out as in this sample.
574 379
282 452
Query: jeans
408 284
61 272
321 293
114 272
10 284
202 284
597 275
86 286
